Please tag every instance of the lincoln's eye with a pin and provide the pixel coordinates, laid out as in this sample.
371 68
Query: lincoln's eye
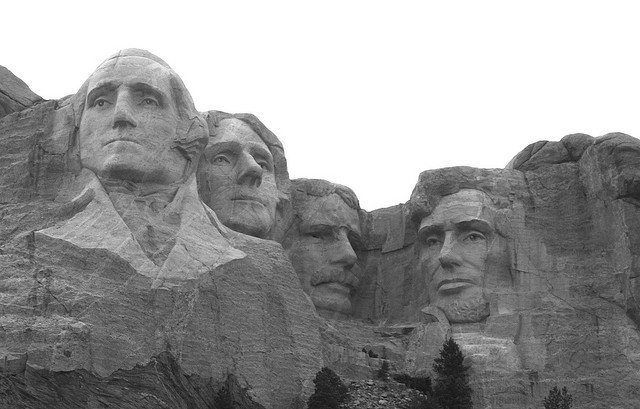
475 236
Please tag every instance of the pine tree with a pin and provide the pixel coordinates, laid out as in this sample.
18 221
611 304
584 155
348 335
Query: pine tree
452 389
557 399
330 390
383 371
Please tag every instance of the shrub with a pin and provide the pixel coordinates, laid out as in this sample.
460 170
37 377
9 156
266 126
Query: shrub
330 390
383 372
452 389
421 402
557 399
223 399
419 383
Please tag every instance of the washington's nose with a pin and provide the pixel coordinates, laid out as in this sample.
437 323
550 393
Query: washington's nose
249 171
449 256
123 112
343 252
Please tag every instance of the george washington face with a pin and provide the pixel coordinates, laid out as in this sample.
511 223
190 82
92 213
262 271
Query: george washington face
129 124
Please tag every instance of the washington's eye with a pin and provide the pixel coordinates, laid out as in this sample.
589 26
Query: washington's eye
149 101
100 102
475 236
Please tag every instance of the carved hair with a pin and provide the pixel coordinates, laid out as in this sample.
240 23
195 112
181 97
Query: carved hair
274 145
192 134
501 186
303 188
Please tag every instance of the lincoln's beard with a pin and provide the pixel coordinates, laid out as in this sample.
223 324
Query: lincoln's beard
473 309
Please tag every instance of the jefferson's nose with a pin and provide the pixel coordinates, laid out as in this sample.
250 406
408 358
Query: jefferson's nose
449 256
123 112
249 171
342 251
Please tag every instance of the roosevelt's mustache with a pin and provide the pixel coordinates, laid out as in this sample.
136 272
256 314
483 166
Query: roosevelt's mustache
335 274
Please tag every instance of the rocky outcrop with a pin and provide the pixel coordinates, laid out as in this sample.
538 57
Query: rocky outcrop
15 95
570 316
75 299
532 269
160 383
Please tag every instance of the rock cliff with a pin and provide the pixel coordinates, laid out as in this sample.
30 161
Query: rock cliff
532 269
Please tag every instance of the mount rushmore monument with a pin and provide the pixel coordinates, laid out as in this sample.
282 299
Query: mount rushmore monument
151 255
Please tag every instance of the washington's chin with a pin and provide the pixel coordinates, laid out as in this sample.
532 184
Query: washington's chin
331 299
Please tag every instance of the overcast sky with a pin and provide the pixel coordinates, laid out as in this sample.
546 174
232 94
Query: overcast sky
363 93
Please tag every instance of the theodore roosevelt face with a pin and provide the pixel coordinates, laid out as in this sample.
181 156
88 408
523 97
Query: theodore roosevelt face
322 253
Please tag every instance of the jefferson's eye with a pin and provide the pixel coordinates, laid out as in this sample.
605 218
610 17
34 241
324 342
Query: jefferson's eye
220 160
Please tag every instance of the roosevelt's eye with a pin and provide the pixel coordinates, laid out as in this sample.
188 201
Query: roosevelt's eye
320 233
431 241
474 236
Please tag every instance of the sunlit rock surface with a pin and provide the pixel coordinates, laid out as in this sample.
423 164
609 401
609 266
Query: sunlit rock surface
89 317
78 294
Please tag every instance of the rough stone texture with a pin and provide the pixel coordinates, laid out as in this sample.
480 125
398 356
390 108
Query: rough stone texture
321 243
159 384
570 318
83 305
75 297
15 95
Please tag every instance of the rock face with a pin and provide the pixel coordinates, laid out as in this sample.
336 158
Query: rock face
83 290
120 281
15 95
567 214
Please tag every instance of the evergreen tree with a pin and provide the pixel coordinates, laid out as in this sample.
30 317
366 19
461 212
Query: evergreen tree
452 389
557 399
330 390
383 371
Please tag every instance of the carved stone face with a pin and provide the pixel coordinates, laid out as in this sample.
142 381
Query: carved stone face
457 241
129 123
623 160
237 179
322 253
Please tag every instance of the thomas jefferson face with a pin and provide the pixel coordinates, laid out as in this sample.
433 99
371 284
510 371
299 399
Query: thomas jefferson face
322 253
456 243
237 179
129 123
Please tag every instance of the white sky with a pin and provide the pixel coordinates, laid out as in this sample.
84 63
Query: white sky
363 93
